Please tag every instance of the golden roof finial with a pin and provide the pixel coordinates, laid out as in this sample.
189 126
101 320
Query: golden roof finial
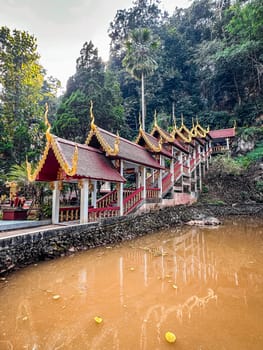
47 123
29 170
193 122
116 144
235 124
92 121
160 143
208 129
155 118
75 159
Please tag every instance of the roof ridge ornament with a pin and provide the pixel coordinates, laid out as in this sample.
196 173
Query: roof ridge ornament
92 121
160 143
116 145
47 123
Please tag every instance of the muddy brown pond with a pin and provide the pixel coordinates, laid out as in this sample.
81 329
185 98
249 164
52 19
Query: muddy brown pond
204 285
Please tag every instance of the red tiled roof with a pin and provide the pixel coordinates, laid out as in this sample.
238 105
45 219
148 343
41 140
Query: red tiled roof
128 150
91 164
222 133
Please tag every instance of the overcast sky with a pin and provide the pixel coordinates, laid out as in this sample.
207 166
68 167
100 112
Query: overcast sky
62 26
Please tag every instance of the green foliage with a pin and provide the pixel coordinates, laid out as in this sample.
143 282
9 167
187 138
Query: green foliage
91 82
259 186
205 189
225 165
23 93
253 156
46 211
139 55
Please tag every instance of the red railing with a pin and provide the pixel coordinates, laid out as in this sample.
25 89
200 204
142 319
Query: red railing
186 170
197 158
132 201
152 193
96 214
127 192
177 171
152 178
107 199
69 214
167 182
192 164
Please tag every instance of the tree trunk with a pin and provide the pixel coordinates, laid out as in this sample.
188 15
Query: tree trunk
143 104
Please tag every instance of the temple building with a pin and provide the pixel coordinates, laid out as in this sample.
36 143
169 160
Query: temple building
159 168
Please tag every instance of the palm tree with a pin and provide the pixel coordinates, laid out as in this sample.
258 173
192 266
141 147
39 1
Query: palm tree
139 61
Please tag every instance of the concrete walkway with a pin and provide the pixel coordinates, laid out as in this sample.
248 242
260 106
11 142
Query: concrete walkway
16 227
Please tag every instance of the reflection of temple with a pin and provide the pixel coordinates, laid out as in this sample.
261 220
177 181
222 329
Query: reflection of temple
158 168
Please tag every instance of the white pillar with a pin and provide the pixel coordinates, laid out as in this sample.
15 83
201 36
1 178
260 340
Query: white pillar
84 202
55 203
182 170
172 170
227 143
138 179
195 179
200 176
160 183
144 182
120 194
94 194
207 155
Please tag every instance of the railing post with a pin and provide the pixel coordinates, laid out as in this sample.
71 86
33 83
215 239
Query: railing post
84 201
55 202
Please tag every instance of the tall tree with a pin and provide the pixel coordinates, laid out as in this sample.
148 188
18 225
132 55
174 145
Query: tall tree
21 80
143 14
139 60
92 81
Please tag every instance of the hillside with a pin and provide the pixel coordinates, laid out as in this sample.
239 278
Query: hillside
246 187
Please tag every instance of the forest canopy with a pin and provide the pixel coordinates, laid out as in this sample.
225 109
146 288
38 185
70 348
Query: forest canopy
204 61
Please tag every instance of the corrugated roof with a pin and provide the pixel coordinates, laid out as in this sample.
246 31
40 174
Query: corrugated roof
222 133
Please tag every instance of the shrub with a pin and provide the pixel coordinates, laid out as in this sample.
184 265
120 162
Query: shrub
225 165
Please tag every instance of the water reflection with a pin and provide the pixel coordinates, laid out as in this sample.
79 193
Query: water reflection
204 284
